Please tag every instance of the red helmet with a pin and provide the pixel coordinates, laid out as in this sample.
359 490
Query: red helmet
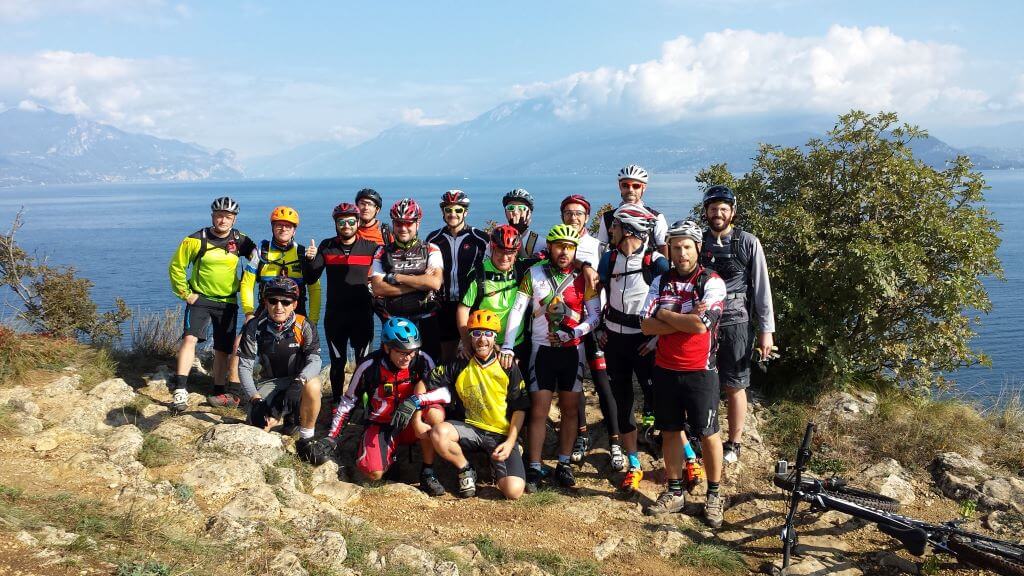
575 199
406 210
506 237
455 197
345 209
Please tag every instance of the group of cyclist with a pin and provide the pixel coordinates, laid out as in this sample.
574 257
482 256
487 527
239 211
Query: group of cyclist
481 330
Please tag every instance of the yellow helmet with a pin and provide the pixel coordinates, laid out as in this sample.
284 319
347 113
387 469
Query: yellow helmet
484 320
285 214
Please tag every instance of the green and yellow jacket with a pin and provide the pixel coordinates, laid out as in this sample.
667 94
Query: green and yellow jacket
214 263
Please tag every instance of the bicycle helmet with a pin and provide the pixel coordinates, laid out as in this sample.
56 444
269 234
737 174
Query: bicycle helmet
633 172
406 210
575 199
635 219
345 209
281 286
370 194
518 195
400 333
506 237
285 214
686 229
225 204
455 197
563 233
484 320
719 193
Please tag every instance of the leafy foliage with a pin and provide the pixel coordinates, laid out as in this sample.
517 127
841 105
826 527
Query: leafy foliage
876 259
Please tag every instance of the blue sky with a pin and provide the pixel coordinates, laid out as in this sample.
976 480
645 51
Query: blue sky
260 77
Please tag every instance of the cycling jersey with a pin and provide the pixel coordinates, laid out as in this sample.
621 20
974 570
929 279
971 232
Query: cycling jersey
386 386
485 393
682 351
461 253
379 233
561 302
589 248
348 268
270 261
494 290
214 263
655 239
419 258
288 349
626 281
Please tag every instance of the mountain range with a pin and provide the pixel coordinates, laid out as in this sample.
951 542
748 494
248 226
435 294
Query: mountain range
39 146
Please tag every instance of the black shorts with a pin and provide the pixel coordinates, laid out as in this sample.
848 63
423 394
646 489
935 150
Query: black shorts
735 345
274 403
222 316
686 401
474 439
446 325
557 369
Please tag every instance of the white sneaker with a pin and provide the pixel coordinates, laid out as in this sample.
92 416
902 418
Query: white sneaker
180 399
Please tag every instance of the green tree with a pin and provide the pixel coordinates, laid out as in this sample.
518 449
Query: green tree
876 259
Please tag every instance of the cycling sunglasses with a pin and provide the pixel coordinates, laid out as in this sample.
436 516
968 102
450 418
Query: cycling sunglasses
482 333
630 185
279 302
454 209
347 221
516 208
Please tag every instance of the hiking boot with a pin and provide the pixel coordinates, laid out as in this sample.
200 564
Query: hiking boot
564 476
224 400
714 509
618 459
432 486
631 483
731 452
316 452
694 474
534 480
180 400
579 449
467 483
668 502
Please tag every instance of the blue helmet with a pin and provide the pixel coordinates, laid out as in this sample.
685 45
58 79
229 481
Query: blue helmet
400 333
719 193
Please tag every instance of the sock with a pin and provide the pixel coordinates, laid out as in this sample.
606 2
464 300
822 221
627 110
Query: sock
712 487
305 433
634 460
234 385
178 381
563 458
536 466
675 485
219 389
428 470
690 454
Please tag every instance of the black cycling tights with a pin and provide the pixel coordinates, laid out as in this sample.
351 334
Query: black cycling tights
341 335
605 398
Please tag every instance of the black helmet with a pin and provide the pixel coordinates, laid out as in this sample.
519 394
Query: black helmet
719 193
281 286
372 194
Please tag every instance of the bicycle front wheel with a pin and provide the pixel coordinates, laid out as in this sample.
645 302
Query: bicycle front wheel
1002 558
864 498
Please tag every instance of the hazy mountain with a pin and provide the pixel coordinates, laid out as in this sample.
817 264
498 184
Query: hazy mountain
39 146
527 137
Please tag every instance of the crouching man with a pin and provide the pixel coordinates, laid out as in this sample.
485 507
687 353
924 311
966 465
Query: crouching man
287 349
491 402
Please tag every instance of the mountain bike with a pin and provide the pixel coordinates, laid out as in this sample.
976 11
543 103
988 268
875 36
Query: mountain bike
981 551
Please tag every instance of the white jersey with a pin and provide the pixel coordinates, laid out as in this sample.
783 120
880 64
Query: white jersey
626 288
660 230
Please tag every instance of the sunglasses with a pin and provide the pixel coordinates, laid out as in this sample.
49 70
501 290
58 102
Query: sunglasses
573 213
404 223
347 221
482 333
516 208
454 210
631 185
403 353
279 302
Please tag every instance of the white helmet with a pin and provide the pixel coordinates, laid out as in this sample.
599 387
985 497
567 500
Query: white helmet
224 203
686 229
635 219
633 172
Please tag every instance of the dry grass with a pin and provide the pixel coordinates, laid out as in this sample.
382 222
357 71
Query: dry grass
157 334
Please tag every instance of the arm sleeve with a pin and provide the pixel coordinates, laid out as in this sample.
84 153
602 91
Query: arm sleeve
714 298
377 268
651 302
660 230
434 259
593 309
177 269
313 269
517 398
313 292
248 284
311 350
247 358
764 310
515 318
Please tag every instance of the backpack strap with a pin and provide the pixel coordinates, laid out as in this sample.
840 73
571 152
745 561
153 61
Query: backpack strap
297 328
531 243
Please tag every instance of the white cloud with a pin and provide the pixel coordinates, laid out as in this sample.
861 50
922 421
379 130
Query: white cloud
416 117
740 72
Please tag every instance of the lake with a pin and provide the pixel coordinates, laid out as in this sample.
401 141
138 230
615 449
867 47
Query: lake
121 236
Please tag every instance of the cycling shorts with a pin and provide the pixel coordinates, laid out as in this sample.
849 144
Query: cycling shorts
221 316
686 401
557 369
473 439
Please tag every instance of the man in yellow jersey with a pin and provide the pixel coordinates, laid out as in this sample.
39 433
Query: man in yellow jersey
491 403
210 292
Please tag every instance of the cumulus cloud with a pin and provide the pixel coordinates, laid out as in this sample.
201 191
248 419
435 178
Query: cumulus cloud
742 72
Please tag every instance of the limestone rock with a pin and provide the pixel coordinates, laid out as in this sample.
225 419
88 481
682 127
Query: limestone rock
326 472
894 486
413 559
849 406
468 554
27 539
51 536
446 568
329 550
96 466
23 405
376 561
25 425
217 478
668 541
286 563
812 566
886 467
113 393
123 444
254 503
607 547
174 432
63 386
338 493
48 440
243 440
240 532
526 569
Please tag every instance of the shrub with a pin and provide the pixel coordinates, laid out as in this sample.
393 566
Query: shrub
156 334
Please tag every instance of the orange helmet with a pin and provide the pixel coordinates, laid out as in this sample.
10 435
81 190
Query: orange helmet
484 320
285 214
